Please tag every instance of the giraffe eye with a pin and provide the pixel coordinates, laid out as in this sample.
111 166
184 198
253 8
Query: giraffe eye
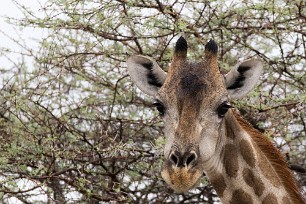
223 108
160 107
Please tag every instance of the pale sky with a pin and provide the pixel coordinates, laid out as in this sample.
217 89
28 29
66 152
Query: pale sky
8 8
7 31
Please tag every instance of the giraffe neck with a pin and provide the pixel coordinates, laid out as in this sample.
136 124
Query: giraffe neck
245 172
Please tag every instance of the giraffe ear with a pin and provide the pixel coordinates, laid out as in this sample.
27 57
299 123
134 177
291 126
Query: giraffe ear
241 79
146 74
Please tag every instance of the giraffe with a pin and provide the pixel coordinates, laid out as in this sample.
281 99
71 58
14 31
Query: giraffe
205 134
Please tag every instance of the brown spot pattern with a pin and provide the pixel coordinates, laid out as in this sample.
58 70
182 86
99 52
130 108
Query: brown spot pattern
253 181
270 199
219 184
247 152
272 162
241 197
230 160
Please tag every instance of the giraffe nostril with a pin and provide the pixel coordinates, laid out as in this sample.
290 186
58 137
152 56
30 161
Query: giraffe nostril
190 158
174 159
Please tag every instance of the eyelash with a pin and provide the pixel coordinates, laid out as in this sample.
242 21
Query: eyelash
160 107
223 108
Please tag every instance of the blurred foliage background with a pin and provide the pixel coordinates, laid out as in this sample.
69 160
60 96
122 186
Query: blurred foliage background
73 127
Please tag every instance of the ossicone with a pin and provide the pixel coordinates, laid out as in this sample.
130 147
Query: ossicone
211 47
180 51
181 45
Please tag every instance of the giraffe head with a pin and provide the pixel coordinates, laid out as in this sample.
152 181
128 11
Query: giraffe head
192 98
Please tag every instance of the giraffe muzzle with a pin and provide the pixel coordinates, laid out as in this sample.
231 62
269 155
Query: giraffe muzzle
182 170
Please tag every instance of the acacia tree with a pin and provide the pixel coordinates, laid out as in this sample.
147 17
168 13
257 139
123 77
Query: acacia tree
74 129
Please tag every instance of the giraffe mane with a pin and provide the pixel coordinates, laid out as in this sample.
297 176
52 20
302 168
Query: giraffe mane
275 157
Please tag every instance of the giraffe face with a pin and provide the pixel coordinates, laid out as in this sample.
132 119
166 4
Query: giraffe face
193 99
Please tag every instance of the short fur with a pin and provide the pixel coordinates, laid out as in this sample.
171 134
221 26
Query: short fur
275 157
